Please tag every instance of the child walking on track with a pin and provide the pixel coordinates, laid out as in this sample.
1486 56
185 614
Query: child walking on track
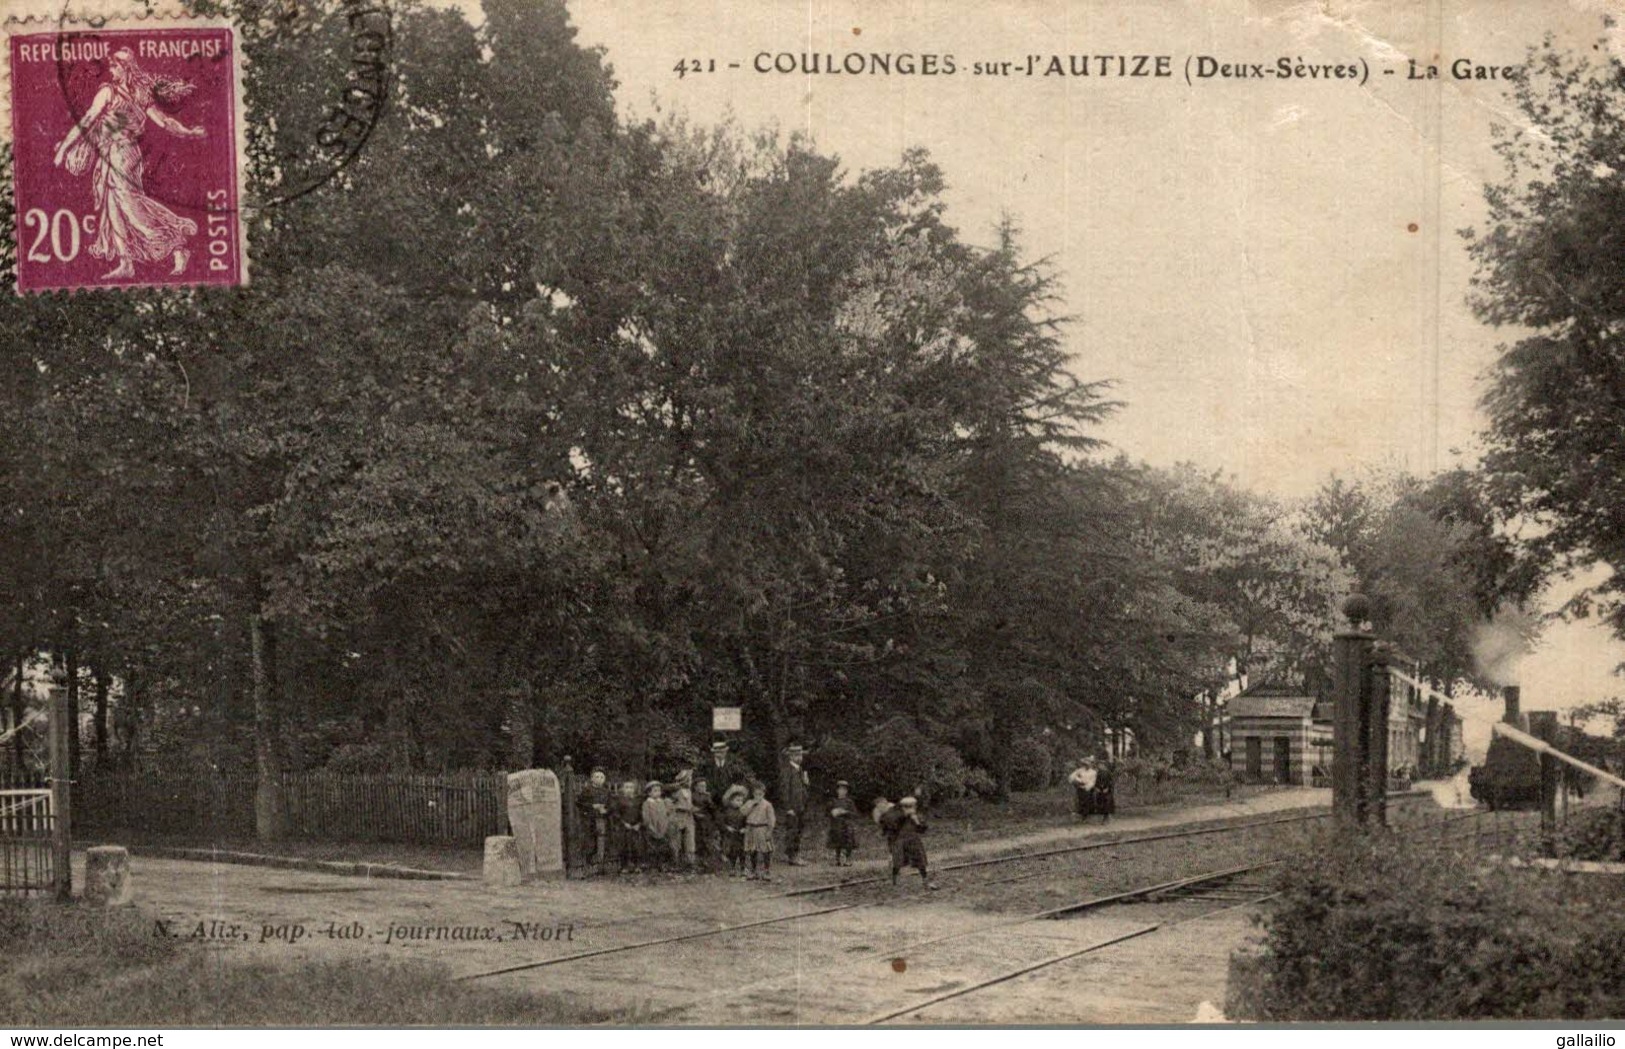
904 828
759 823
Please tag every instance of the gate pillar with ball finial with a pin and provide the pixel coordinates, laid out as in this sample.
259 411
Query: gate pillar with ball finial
1353 650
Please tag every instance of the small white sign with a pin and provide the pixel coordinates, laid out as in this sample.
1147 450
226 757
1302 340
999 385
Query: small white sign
727 719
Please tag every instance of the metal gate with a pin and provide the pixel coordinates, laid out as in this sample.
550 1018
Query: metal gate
26 828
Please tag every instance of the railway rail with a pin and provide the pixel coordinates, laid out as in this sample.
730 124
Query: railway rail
1224 886
1010 859
1179 889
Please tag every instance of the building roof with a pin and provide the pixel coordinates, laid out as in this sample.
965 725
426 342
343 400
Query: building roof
1251 705
1275 688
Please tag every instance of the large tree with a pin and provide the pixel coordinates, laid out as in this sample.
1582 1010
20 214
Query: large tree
1548 270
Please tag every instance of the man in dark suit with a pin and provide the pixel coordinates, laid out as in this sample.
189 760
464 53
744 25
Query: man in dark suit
793 791
724 771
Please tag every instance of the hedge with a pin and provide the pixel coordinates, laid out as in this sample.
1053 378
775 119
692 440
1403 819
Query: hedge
1376 928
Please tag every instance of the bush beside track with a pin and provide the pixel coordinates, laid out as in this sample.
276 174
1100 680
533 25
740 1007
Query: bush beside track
1380 928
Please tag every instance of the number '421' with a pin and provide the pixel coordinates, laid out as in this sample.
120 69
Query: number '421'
686 66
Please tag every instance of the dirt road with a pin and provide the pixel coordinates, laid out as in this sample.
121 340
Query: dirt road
847 966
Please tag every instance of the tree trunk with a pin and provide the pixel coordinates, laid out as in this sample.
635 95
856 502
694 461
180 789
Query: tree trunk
71 659
268 809
1004 746
103 682
18 713
522 718
126 721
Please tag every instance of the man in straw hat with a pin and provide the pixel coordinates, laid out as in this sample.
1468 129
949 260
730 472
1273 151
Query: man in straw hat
724 770
794 786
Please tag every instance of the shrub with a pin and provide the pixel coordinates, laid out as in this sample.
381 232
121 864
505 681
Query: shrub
1376 929
902 760
359 757
841 759
981 783
1032 766
1595 835
671 747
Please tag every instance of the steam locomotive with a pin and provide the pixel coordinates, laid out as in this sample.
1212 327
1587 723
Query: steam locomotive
1510 775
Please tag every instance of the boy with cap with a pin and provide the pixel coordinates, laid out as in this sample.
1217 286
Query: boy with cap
681 803
759 822
904 827
733 828
656 815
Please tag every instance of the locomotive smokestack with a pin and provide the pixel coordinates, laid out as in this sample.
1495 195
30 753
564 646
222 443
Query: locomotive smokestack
1511 695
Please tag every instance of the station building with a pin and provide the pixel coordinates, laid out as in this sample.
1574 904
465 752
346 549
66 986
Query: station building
1279 734
1283 733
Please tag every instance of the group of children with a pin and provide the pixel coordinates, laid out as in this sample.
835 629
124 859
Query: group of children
682 825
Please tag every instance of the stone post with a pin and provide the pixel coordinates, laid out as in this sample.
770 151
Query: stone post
107 876
502 862
1543 726
570 815
1351 658
534 814
1378 697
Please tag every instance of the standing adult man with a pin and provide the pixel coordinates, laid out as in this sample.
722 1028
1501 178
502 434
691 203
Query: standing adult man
724 770
793 791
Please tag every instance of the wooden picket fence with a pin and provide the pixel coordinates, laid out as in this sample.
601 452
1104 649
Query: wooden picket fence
459 808
26 826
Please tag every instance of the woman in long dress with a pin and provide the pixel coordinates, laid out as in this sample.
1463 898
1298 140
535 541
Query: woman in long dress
1083 788
131 227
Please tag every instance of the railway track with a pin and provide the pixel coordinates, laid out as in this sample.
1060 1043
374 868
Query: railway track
857 883
1183 889
1227 887
941 968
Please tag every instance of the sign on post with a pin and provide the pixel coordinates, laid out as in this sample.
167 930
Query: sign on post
727 719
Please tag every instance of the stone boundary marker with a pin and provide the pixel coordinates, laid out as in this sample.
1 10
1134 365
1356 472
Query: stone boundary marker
345 868
503 864
107 876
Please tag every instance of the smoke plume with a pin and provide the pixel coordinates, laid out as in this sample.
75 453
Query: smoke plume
1501 644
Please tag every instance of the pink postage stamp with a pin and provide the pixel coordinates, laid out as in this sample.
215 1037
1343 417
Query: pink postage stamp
127 157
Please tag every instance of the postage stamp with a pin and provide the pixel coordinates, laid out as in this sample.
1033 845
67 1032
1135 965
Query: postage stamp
127 156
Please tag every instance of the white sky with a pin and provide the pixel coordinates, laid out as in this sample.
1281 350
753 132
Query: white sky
1238 255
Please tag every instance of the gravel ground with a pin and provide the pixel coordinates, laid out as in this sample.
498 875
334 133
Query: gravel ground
901 946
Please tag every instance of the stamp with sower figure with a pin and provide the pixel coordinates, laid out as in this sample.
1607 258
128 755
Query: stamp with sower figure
127 159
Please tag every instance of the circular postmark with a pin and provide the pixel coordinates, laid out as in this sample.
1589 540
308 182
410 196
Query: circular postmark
320 71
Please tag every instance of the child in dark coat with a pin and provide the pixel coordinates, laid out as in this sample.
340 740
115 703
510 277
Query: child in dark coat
843 830
596 801
733 829
705 822
628 828
904 828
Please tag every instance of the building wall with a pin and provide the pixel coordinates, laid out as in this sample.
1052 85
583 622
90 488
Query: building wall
1300 755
